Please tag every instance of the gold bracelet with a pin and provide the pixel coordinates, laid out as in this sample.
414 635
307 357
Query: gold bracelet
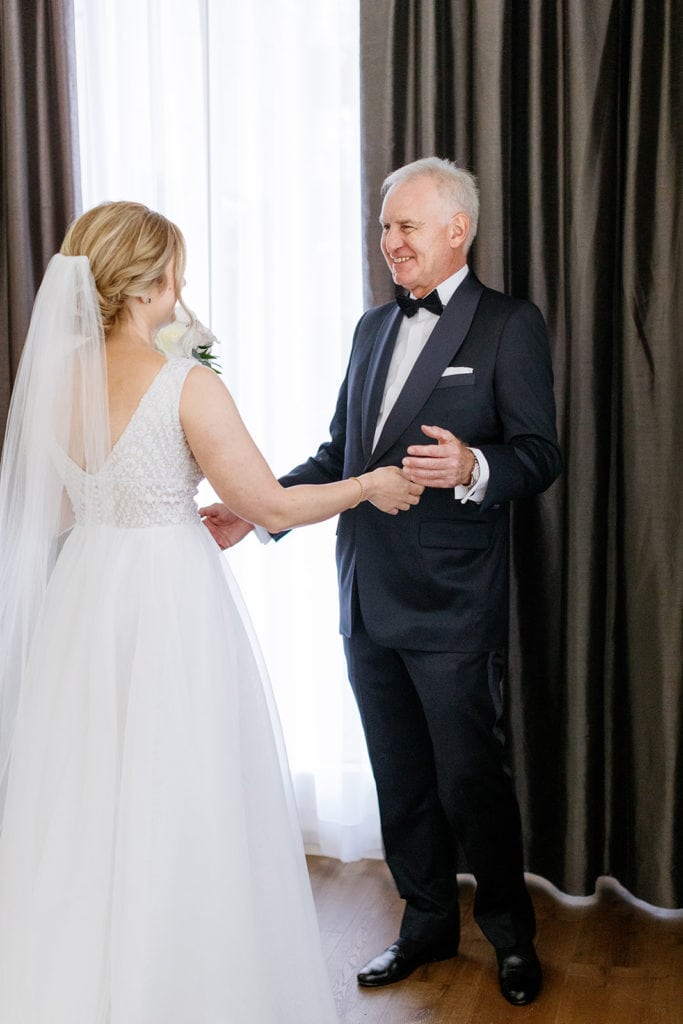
362 491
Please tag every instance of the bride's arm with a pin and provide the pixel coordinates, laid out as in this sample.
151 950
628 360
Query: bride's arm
243 480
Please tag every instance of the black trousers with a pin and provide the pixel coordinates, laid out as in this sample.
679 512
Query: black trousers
432 723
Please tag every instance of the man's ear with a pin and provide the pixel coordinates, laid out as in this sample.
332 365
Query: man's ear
459 228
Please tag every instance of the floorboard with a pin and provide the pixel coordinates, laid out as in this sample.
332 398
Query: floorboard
607 960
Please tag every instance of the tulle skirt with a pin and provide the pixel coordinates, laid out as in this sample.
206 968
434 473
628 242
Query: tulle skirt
151 866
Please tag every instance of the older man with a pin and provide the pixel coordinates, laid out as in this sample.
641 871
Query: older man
454 382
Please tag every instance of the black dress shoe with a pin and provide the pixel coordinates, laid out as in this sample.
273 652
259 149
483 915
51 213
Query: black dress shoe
519 974
401 959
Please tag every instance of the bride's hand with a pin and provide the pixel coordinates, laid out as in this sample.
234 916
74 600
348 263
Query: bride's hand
225 527
390 489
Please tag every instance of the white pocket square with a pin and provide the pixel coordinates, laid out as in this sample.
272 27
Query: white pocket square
456 369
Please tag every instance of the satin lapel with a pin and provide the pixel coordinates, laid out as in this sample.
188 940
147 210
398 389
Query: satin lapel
375 379
442 346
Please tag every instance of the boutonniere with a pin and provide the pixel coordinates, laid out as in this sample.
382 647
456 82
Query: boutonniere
187 336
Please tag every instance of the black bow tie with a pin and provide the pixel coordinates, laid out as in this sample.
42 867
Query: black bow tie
432 302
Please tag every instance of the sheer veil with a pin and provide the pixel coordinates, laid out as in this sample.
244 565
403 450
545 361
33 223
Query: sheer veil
58 412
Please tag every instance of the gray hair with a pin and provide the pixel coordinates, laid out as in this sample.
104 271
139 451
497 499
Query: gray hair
458 186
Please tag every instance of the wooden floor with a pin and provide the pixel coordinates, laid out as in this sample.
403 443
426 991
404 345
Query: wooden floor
607 961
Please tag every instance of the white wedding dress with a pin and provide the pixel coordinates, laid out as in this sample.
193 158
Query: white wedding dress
151 866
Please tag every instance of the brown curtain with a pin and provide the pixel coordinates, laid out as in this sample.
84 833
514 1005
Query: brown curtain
571 115
38 160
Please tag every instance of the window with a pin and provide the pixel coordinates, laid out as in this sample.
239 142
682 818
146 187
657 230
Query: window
241 123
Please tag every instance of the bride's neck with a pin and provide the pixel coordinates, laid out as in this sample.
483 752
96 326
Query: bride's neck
130 335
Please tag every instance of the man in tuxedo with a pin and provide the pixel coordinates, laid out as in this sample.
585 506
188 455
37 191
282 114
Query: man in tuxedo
454 382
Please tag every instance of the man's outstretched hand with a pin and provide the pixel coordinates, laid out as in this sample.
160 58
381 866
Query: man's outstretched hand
225 527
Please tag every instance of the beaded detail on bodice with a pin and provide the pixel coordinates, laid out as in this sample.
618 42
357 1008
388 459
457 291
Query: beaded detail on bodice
150 477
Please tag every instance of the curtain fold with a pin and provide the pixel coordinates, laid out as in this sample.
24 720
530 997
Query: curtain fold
571 116
647 698
38 160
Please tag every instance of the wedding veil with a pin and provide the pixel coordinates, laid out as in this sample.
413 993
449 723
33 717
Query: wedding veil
58 412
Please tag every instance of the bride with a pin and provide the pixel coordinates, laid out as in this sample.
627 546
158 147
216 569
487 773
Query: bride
151 867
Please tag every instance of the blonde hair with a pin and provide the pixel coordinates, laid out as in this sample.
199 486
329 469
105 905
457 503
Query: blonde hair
457 186
128 247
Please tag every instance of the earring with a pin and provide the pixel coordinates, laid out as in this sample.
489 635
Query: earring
148 300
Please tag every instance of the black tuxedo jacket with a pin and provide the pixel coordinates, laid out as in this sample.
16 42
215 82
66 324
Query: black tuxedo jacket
436 577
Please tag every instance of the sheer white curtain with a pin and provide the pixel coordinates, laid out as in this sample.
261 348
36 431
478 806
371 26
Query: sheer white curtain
240 122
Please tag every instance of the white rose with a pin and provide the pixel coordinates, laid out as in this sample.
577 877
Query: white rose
174 339
186 337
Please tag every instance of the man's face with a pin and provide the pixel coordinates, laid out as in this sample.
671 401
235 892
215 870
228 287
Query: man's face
422 239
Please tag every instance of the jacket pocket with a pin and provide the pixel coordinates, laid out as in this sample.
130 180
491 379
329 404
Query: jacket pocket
456 380
445 534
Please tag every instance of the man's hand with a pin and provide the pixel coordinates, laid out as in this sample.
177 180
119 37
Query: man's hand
225 527
446 464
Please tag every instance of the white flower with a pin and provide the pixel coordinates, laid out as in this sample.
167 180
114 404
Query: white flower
186 336
174 339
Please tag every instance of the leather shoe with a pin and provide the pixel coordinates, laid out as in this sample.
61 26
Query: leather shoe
401 959
519 974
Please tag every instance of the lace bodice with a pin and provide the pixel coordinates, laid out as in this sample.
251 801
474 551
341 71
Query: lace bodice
151 476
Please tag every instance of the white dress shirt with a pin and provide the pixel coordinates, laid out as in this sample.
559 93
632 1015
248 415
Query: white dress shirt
413 335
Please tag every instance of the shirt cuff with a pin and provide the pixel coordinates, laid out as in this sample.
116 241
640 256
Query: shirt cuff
477 492
262 534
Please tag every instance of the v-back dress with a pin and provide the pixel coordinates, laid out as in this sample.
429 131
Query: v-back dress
151 866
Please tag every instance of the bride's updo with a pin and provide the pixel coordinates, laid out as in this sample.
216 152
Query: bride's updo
128 247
